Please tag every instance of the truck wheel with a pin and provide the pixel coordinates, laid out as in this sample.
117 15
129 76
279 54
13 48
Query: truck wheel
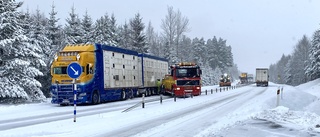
123 95
172 92
95 98
131 94
146 92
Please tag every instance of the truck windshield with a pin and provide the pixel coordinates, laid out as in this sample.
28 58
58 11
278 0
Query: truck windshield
63 70
187 72
60 70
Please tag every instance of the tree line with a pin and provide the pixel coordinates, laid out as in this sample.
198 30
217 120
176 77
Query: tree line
302 65
29 41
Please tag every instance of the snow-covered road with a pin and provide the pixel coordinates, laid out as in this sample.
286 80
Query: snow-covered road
201 116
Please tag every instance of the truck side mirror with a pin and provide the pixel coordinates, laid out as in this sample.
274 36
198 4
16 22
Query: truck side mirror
89 68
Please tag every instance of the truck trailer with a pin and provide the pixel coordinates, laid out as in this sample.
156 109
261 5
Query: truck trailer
108 73
262 77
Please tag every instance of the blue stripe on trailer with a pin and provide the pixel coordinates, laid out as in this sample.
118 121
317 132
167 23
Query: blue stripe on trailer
117 49
153 57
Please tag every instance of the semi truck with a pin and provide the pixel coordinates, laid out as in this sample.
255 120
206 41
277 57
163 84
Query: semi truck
225 80
184 80
262 77
250 78
108 73
243 78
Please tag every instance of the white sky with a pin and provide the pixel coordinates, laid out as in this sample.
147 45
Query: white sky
258 31
242 112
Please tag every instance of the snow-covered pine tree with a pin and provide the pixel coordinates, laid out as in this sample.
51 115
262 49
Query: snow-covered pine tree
87 27
224 54
298 62
213 52
137 35
73 29
199 51
287 76
124 36
281 69
273 77
114 32
54 32
102 32
17 57
313 69
38 36
151 40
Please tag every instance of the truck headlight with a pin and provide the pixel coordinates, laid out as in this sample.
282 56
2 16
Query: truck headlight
56 57
198 87
177 88
78 56
82 94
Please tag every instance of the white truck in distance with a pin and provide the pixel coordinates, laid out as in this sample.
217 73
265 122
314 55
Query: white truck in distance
262 77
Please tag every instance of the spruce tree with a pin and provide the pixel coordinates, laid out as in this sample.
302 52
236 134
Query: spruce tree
73 28
313 69
17 58
87 27
138 37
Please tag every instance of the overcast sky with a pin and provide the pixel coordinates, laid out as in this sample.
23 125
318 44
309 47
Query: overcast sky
259 31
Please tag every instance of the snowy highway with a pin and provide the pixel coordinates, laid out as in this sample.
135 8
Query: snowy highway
209 108
57 112
200 116
203 114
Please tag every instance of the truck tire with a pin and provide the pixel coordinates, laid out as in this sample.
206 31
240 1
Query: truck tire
131 94
95 98
172 92
123 95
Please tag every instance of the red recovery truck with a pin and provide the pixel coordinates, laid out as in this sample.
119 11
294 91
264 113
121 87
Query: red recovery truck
185 79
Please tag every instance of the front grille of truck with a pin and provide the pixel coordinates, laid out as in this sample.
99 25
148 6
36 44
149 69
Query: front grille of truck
65 91
188 82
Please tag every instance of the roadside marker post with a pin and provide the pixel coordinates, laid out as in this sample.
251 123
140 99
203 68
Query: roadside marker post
278 92
74 70
281 92
74 100
142 100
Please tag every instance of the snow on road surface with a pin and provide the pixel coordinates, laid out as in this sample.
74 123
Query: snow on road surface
244 111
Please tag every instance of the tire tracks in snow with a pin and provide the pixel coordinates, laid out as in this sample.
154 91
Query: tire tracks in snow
56 116
143 126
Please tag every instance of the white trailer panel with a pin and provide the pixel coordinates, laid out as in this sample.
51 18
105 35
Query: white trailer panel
262 76
153 69
120 70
